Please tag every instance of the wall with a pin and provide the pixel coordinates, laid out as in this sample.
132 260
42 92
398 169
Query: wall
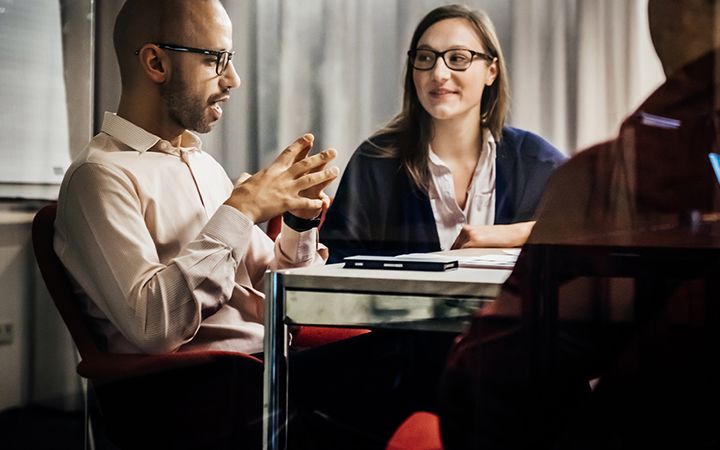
39 365
17 287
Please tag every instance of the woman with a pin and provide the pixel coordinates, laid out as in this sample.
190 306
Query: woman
445 172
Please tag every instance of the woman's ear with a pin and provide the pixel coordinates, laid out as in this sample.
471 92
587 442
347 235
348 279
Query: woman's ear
491 73
154 62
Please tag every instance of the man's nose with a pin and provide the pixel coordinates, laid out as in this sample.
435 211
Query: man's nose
230 77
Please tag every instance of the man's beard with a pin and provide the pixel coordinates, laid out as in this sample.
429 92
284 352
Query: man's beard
184 109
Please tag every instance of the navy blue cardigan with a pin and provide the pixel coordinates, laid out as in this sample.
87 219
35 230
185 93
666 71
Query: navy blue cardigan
378 210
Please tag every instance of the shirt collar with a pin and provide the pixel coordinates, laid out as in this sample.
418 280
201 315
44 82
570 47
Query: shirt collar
140 140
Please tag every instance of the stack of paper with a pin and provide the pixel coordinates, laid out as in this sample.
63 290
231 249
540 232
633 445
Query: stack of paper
504 259
488 261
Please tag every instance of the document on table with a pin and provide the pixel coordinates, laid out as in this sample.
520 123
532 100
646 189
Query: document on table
505 259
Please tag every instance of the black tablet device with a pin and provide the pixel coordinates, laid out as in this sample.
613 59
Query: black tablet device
431 263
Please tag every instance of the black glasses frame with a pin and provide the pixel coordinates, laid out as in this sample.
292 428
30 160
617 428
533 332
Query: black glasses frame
222 60
412 53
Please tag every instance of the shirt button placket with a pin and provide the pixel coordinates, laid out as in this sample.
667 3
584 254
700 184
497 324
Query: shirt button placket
186 159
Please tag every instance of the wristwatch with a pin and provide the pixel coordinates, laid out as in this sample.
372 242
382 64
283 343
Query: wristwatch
298 224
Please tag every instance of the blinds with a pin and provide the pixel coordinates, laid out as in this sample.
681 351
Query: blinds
34 146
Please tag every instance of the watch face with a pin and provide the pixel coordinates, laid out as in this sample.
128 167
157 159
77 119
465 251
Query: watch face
715 161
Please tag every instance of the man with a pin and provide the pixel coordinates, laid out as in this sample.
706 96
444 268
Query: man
164 250
655 369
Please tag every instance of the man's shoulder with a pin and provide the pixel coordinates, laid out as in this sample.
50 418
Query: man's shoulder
95 153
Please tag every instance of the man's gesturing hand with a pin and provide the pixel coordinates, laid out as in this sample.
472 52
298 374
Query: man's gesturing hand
293 182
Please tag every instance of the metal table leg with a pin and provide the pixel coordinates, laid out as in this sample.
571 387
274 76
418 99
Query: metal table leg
275 349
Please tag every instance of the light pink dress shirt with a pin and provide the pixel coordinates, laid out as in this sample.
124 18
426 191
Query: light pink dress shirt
159 262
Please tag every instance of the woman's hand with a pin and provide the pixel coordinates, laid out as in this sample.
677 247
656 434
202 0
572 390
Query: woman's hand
474 236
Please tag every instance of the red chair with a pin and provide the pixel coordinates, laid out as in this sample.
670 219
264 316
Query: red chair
420 431
150 401
273 227
173 400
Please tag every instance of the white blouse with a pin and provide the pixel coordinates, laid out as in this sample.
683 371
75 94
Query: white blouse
480 204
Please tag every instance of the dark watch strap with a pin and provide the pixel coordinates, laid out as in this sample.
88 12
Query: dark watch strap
298 224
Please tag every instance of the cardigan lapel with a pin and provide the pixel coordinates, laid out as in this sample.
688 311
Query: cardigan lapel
504 192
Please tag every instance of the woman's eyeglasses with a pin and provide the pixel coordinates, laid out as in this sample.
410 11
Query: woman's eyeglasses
455 58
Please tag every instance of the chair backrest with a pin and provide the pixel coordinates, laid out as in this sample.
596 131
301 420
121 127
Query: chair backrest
128 386
58 282
274 226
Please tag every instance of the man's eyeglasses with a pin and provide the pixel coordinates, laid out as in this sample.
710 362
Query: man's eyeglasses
222 57
458 59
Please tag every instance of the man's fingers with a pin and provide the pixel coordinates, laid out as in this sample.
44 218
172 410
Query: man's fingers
317 190
314 163
300 203
325 200
309 140
295 151
314 179
325 184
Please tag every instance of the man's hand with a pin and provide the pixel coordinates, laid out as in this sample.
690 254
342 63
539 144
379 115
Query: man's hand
293 182
314 192
475 236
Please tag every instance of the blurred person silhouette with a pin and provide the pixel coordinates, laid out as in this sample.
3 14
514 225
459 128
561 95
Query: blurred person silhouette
655 379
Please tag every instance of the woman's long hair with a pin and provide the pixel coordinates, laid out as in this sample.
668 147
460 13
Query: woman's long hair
411 129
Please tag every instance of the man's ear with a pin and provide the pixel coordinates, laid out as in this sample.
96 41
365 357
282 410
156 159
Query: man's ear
154 63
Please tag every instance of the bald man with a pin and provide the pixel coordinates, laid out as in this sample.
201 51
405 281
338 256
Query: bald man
161 245
165 255
657 382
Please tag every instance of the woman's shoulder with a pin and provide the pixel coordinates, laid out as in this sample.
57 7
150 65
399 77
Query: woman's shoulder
529 144
380 144
379 149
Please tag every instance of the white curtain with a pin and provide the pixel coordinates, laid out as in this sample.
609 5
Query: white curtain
334 68
340 66
580 66
617 63
543 69
577 67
